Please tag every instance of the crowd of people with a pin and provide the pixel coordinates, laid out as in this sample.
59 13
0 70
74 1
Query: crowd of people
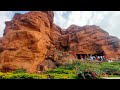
92 57
100 58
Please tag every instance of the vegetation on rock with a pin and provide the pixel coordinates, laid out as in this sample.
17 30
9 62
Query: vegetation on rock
76 70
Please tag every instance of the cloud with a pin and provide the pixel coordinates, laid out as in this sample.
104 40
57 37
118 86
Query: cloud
7 16
4 16
107 20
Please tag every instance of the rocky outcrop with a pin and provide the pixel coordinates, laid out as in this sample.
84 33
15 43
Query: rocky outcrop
91 39
26 41
33 42
29 40
55 34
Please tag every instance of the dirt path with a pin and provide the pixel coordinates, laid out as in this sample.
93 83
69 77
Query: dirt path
110 77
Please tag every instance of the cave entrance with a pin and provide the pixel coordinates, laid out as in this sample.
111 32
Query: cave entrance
101 53
81 56
100 56
97 56
78 56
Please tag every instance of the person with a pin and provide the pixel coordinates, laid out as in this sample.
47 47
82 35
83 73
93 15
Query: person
94 58
81 57
108 60
99 58
91 57
103 58
85 57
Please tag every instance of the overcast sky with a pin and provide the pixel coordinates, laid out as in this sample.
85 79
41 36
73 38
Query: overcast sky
107 20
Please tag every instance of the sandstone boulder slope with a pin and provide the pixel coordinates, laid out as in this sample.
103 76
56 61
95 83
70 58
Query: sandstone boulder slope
32 41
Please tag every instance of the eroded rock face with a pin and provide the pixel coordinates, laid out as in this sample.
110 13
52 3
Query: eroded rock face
26 41
55 34
30 40
91 39
33 42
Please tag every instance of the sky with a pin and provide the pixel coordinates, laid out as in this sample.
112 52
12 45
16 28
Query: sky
107 20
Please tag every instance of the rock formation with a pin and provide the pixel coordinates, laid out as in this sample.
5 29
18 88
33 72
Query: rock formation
33 42
91 39
28 41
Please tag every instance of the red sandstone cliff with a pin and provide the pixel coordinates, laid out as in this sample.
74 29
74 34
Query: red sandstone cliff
91 39
29 40
32 40
26 41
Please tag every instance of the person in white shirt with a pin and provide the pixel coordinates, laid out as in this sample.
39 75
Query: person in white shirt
101 58
91 57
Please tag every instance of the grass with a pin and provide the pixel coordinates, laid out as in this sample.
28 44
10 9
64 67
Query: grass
21 76
112 68
76 70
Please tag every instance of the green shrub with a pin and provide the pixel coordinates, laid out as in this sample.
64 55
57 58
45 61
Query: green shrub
62 76
1 75
61 71
19 71
35 76
76 70
115 63
73 65
22 76
87 70
110 68
113 76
